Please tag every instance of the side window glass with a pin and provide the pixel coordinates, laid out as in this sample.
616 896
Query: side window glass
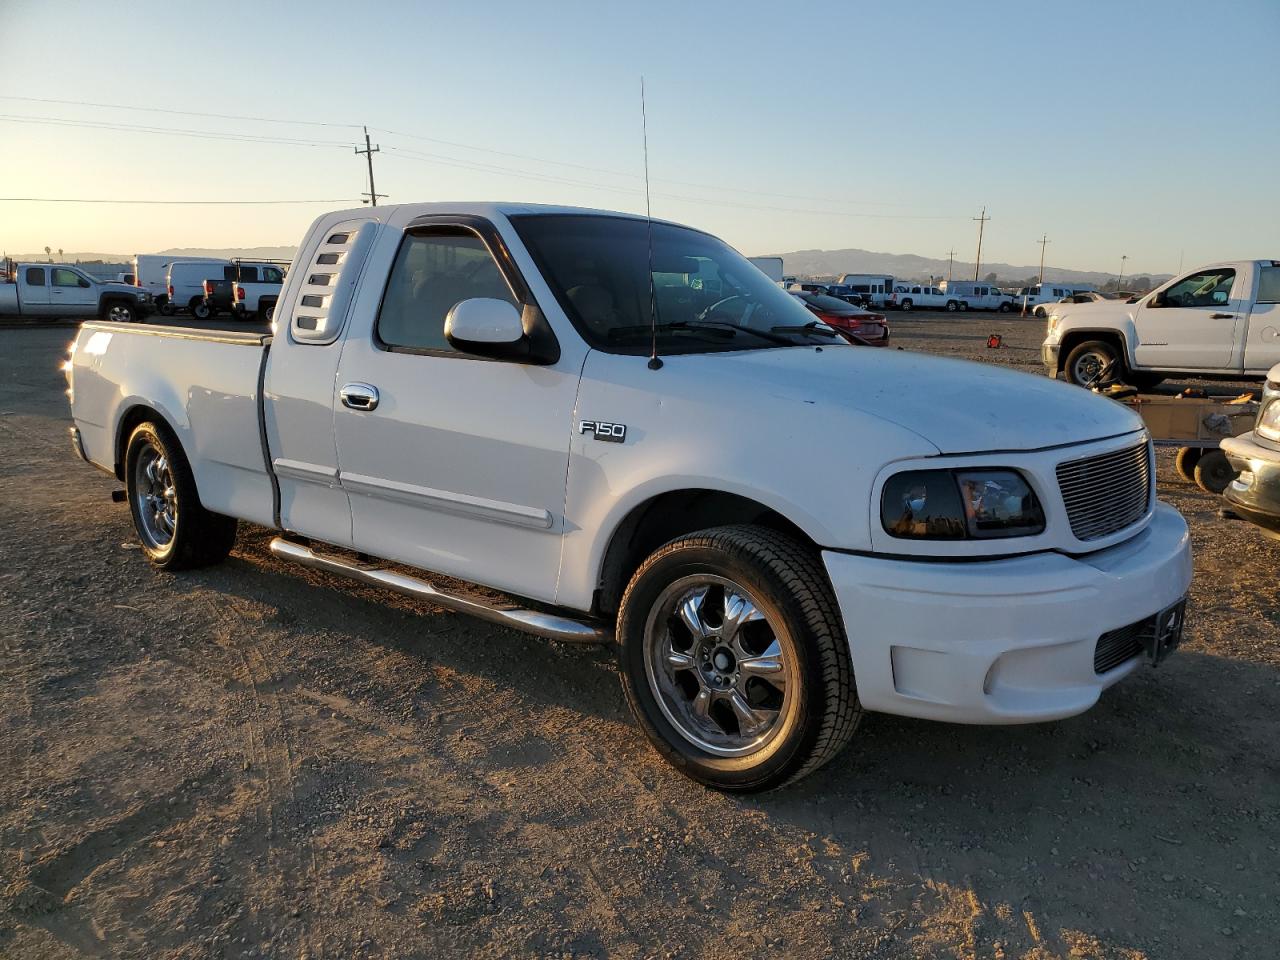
1209 288
65 278
272 275
35 276
1269 285
431 274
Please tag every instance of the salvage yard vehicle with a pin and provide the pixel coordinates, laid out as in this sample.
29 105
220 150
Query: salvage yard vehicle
855 324
61 290
1254 494
916 297
979 295
617 423
1221 321
185 284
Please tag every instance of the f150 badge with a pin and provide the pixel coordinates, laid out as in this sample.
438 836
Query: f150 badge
609 432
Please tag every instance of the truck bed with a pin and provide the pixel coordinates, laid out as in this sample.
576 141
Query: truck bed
206 384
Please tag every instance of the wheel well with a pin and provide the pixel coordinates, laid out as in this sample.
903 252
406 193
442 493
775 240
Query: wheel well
1074 338
128 423
670 515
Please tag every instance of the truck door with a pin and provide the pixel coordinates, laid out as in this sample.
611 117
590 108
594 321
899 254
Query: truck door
1262 345
70 294
453 463
1194 324
33 290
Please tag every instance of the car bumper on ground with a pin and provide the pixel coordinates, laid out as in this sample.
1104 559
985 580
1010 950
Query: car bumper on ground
1255 493
1049 357
1006 641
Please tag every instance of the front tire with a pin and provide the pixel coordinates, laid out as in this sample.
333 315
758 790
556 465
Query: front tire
177 533
1093 363
906 306
1005 308
952 306
734 659
119 312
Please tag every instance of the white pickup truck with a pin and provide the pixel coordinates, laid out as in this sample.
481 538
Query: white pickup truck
619 429
1221 321
61 290
908 297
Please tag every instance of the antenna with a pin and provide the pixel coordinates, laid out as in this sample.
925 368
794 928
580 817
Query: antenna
654 362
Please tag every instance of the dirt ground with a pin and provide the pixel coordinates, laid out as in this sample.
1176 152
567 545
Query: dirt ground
260 761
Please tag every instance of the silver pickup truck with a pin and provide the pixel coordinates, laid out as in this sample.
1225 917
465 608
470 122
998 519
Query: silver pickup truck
61 290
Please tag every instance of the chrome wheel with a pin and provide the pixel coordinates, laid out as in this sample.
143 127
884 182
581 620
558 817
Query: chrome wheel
155 497
721 671
119 313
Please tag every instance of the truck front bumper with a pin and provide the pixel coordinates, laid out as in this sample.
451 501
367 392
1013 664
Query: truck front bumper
1005 641
1255 492
1049 357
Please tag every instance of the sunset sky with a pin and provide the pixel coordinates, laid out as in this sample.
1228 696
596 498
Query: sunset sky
1145 129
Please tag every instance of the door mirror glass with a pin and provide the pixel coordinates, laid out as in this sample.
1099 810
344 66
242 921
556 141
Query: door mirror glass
486 326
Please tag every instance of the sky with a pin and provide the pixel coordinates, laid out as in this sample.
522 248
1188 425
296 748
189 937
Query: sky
1146 130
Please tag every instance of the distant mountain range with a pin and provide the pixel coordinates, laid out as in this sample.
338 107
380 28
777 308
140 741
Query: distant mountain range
250 253
908 266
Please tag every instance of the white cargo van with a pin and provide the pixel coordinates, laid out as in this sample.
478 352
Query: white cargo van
979 295
872 289
185 283
1048 292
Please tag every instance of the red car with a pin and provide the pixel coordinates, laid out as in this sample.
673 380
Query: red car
856 325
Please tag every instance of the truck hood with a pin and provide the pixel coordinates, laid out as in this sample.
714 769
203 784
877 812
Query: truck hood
1098 308
957 405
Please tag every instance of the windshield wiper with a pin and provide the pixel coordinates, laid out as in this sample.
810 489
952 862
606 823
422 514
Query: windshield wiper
721 328
813 326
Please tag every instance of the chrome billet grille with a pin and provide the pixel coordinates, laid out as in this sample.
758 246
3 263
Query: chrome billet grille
1120 646
1106 493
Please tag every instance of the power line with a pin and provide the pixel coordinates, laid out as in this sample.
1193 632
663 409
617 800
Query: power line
183 113
164 202
173 131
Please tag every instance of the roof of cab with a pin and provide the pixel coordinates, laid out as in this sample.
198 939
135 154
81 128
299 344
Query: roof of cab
401 213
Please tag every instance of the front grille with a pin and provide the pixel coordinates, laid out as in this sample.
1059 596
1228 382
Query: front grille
1106 493
1117 646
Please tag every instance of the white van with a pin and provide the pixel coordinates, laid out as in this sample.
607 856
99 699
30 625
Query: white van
185 284
1048 292
979 295
151 272
873 289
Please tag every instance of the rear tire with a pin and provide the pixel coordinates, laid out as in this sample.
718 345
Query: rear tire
268 312
1184 462
164 307
696 613
1005 308
952 306
176 532
962 306
906 306
1214 472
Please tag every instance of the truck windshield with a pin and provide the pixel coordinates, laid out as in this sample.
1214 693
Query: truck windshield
708 297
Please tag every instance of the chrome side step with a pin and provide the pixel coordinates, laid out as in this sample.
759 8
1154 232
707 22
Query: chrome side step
548 625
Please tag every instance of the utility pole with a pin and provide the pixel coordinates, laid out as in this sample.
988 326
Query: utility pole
1043 241
1120 279
369 150
951 259
982 222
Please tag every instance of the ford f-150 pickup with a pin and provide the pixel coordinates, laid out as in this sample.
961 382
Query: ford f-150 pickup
616 425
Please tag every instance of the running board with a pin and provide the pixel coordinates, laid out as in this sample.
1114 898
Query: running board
547 625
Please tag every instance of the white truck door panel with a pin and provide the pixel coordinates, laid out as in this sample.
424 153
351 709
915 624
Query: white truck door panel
460 466
33 290
300 391
71 295
1198 325
1262 345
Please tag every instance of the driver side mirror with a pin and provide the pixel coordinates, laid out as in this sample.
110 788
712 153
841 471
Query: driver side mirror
487 327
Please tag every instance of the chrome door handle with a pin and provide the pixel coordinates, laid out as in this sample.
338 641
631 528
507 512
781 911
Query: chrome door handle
359 396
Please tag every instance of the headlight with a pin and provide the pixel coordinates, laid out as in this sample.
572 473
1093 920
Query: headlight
959 505
1053 323
1268 424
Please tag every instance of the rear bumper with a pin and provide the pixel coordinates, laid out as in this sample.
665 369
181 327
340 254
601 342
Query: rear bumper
1255 493
1004 641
